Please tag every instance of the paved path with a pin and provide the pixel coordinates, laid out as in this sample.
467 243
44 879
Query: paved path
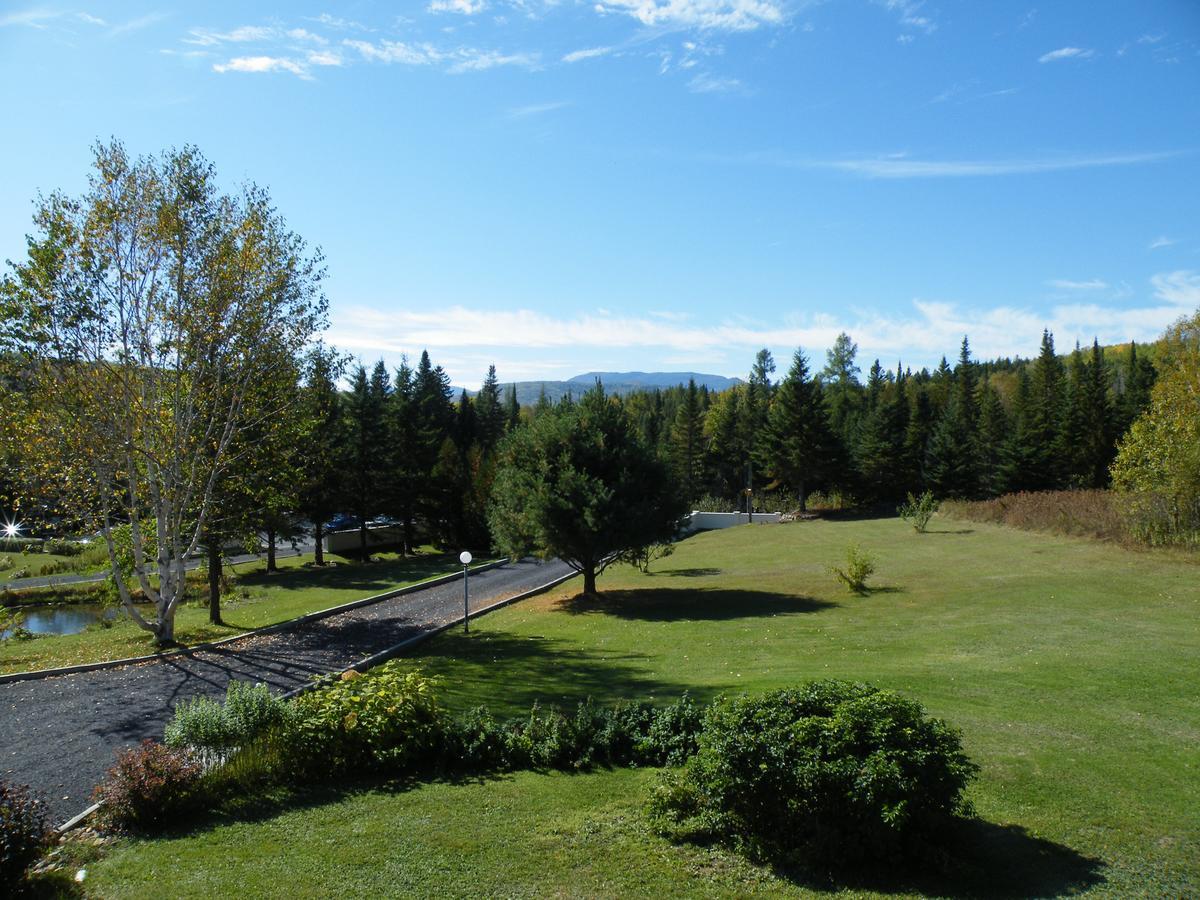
58 735
63 578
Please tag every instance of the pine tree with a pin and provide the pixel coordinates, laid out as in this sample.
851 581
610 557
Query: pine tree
490 412
687 443
880 449
322 443
1099 442
994 466
512 409
1042 469
406 476
367 433
1070 450
843 393
759 391
723 427
801 449
916 438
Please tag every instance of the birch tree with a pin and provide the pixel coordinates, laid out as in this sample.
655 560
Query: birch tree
142 316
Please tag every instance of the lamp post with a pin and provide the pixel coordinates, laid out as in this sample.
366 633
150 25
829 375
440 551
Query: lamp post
465 559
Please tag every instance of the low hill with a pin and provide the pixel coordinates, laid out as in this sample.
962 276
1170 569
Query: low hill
622 383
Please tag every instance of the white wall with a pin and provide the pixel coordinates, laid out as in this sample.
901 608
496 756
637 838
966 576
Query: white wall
709 521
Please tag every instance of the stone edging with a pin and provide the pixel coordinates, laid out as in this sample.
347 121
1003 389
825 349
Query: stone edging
377 658
266 629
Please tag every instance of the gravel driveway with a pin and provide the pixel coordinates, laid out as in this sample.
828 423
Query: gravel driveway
58 735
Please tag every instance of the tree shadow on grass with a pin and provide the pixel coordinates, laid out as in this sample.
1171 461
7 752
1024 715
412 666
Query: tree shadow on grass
700 604
370 577
509 672
698 572
984 860
949 531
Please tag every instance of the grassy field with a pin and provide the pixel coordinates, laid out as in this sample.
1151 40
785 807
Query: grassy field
255 599
36 564
1070 666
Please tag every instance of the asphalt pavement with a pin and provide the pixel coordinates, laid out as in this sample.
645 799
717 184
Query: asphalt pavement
59 735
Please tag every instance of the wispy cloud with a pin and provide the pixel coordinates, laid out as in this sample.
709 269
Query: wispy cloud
910 14
259 64
536 109
1094 284
1180 288
463 7
456 60
1162 241
724 15
705 83
1066 53
30 18
589 53
904 167
207 37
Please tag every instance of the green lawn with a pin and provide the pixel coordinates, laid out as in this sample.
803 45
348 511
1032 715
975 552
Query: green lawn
1071 667
255 599
35 564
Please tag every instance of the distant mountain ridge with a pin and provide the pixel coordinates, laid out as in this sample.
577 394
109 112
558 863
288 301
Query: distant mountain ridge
621 383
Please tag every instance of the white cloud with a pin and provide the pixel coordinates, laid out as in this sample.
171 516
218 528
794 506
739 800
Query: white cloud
536 109
325 58
339 23
1066 53
461 59
903 167
262 64
303 34
589 53
1094 284
207 37
1179 288
31 18
920 336
463 7
90 19
725 15
1162 241
910 15
712 84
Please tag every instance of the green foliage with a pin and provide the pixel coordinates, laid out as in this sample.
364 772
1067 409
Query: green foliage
827 774
203 723
860 566
802 450
150 787
1158 462
24 834
578 483
384 720
917 511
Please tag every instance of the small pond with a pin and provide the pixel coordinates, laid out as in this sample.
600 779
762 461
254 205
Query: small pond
63 619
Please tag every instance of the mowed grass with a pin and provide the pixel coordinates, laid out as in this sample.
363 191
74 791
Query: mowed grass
1071 667
255 599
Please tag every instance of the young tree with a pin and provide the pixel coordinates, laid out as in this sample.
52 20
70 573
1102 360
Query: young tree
577 483
145 311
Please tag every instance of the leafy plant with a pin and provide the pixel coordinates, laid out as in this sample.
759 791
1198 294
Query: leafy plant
214 727
24 834
917 511
385 719
150 786
829 773
860 566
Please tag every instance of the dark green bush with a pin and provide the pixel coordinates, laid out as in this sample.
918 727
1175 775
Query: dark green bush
830 773
24 834
150 787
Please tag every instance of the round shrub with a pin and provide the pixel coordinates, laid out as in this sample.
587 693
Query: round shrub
24 834
150 787
829 773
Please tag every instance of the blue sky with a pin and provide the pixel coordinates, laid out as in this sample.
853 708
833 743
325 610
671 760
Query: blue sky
558 187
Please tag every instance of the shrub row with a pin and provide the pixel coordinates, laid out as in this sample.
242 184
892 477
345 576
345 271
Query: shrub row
38 545
829 773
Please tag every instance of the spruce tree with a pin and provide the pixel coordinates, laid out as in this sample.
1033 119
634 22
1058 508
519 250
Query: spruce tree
994 468
879 453
687 443
322 443
489 410
1099 441
801 449
1042 466
843 392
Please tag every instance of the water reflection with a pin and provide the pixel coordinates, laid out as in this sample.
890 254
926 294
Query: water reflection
62 619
